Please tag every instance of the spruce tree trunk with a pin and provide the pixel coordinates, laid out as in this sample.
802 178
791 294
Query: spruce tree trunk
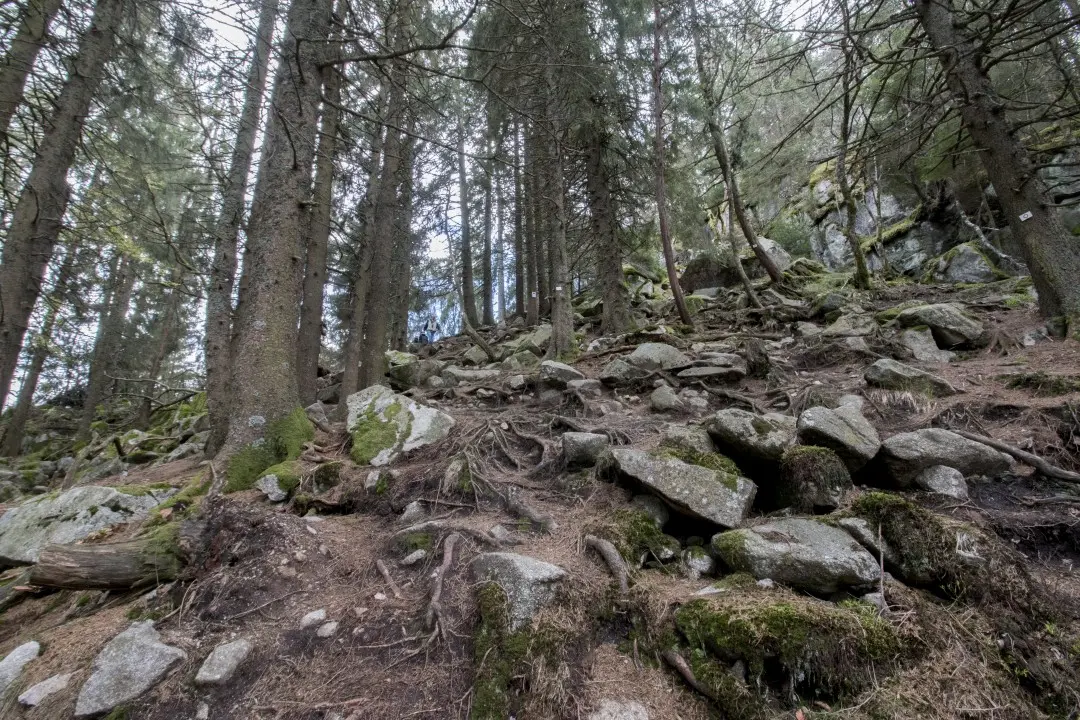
19 59
562 315
166 336
500 248
1050 253
532 301
264 391
716 135
403 250
488 312
24 404
661 188
39 210
219 307
519 228
110 331
468 288
309 341
609 252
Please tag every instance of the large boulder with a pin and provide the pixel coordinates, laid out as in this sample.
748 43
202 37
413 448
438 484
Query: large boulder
844 431
802 553
535 341
410 371
384 424
756 437
893 375
811 479
950 326
583 448
717 494
529 583
905 455
619 371
922 345
965 263
559 374
657 356
129 665
69 517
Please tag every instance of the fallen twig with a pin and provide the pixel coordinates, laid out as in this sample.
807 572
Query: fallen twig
385 572
429 525
1033 460
731 395
676 661
613 559
434 611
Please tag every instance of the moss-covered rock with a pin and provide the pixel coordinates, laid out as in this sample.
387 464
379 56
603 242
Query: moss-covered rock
637 537
383 425
283 440
811 478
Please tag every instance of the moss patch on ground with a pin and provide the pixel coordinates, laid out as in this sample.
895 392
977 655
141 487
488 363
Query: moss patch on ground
283 440
1042 383
727 472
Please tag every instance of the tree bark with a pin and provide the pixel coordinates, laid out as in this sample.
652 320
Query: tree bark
108 566
309 341
851 91
403 250
19 58
661 189
609 252
562 315
532 313
716 135
751 295
487 280
107 342
519 228
468 288
39 211
264 368
219 307
1049 251
165 337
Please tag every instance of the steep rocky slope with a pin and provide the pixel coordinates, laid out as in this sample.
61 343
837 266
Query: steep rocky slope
779 513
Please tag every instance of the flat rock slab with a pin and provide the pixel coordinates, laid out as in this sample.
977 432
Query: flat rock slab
221 664
657 356
708 373
922 345
949 324
66 518
620 371
762 437
582 448
619 710
844 431
384 425
801 553
129 665
892 375
14 662
35 694
529 583
558 373
905 455
721 498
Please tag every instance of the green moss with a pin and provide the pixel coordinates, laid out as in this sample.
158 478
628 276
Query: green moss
412 542
730 546
372 434
736 582
761 425
327 475
1042 383
82 600
119 713
183 504
288 474
891 233
727 472
634 533
283 440
811 475
142 490
831 648
730 694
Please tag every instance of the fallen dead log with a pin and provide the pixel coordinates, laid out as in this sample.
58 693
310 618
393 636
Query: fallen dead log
134 563
1034 461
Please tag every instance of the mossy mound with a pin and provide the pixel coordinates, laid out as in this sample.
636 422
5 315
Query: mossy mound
283 440
786 640
635 534
288 474
811 478
375 432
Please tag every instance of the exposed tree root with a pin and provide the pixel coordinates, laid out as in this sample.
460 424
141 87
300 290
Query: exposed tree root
516 505
676 661
613 559
1033 460
385 572
434 611
441 525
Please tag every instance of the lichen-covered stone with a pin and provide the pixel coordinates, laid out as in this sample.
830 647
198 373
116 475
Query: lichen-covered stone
559 374
581 448
811 478
657 356
222 662
892 375
844 431
950 325
14 662
383 425
529 583
904 455
129 665
760 437
943 480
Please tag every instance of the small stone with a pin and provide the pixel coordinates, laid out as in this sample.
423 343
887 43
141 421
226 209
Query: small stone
516 382
943 480
221 664
922 345
504 536
313 618
412 513
663 399
327 629
12 664
300 556
202 712
380 596
583 448
877 600
129 665
529 583
414 557
589 387
287 571
558 373
619 710
270 487
36 693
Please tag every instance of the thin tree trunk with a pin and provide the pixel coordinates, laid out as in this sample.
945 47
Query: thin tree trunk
733 243
468 288
19 59
1050 252
39 211
488 312
264 368
609 253
309 341
24 404
562 315
661 189
403 250
716 134
519 228
851 90
500 245
165 340
219 307
532 234
107 342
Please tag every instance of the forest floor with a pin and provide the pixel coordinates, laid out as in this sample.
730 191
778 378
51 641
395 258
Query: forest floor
270 565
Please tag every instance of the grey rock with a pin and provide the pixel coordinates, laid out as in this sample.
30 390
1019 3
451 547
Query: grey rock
868 538
331 394
851 325
620 371
413 512
943 480
269 485
69 517
804 554
905 455
316 412
453 375
718 497
221 664
709 373
504 536
588 387
694 400
853 401
328 629
922 345
652 506
965 263
474 356
14 662
687 437
129 665
415 425
664 399
558 373
877 600
414 557
583 448
36 694
892 375
529 583
517 383
697 562
844 431
619 710
519 361
657 356
807 329
535 341
313 618
762 437
950 326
